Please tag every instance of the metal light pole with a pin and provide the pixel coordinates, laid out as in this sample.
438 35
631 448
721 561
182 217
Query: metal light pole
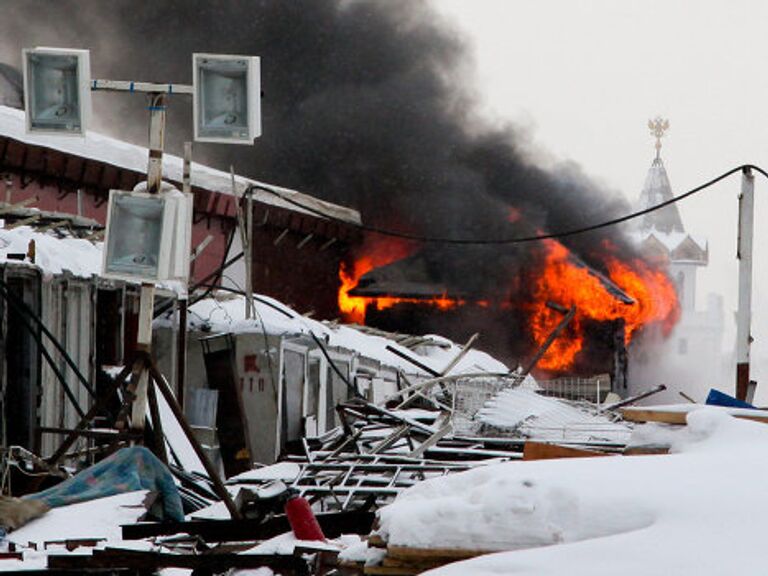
226 109
143 367
744 312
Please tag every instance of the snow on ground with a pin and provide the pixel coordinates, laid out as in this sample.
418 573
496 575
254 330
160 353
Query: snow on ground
550 419
701 510
227 314
100 518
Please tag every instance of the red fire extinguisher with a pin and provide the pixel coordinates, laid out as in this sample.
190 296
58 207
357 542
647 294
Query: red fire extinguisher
302 519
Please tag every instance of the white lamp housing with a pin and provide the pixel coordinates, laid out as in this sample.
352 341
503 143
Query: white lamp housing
57 94
227 98
139 238
182 206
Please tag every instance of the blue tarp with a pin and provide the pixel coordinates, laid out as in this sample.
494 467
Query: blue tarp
717 398
126 470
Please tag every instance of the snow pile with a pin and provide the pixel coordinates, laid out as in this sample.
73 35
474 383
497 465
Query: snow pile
701 510
549 419
53 255
226 313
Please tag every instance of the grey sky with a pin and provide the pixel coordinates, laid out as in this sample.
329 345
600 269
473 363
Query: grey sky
584 78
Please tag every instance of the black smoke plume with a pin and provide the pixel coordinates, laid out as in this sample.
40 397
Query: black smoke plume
366 103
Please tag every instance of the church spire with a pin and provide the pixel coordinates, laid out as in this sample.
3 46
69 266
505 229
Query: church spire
657 188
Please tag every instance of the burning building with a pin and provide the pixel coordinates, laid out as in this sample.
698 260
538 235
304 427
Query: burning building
518 307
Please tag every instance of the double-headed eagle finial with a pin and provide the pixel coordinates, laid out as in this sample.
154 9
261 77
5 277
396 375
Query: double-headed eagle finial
657 127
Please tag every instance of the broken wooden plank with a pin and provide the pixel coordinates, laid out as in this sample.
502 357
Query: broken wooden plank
393 570
678 414
443 555
646 450
545 451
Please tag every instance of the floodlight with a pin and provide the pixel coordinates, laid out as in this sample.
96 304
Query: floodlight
57 97
227 98
139 237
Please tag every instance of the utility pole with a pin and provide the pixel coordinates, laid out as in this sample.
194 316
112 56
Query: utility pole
744 313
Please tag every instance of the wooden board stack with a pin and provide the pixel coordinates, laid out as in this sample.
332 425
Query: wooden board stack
405 561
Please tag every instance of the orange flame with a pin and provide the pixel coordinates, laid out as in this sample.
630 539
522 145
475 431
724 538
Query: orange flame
560 280
377 254
565 283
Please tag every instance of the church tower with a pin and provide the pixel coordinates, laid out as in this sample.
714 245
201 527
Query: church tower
691 359
662 235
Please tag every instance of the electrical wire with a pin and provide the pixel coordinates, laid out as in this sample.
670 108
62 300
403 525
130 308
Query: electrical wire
516 240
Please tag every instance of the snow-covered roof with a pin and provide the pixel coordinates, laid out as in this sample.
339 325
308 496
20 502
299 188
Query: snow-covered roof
226 313
655 191
118 153
53 255
671 241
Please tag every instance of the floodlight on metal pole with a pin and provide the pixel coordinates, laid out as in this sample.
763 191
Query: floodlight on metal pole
57 100
57 97
227 100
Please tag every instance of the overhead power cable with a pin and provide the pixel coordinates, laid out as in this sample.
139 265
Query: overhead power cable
514 240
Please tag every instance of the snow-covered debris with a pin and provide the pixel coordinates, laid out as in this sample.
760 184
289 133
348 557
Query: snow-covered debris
531 415
285 471
700 510
226 313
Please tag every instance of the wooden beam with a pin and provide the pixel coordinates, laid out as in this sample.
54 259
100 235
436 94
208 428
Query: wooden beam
680 416
280 238
213 474
545 451
304 240
23 222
